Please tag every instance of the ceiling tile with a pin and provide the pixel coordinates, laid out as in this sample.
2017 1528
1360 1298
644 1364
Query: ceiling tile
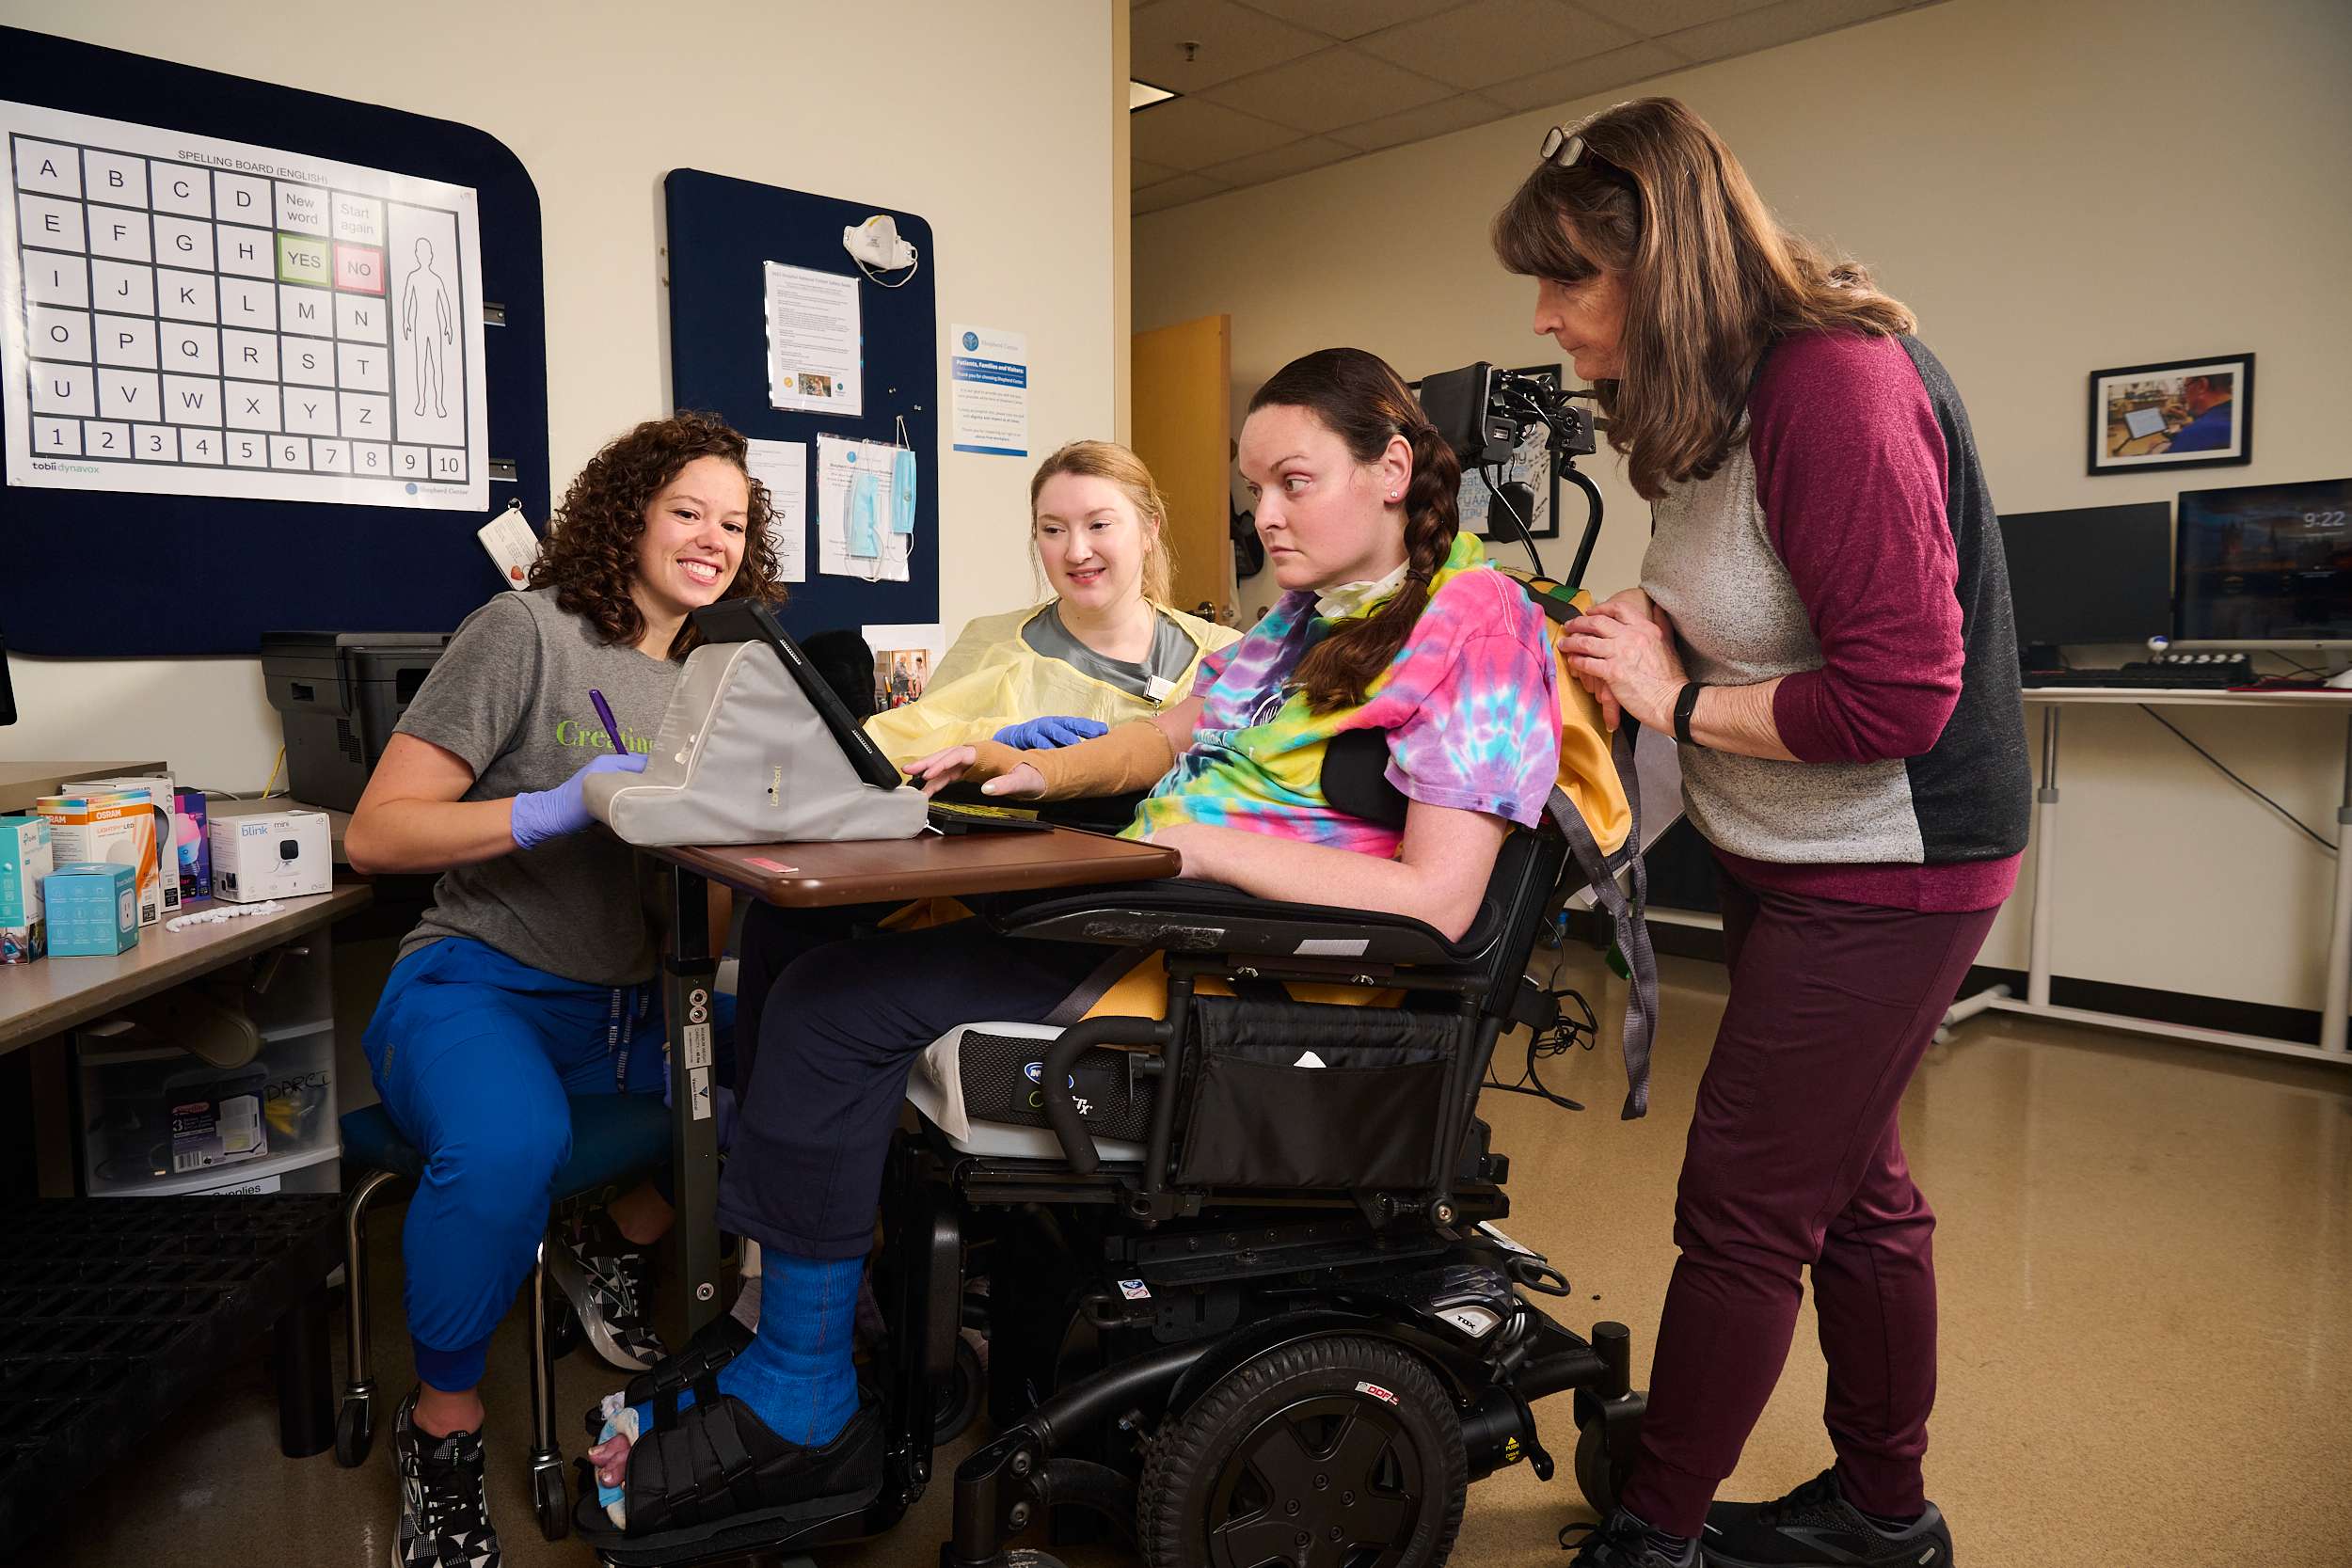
1193 133
1174 193
1347 19
1459 112
1564 84
1295 158
1140 173
1326 91
1657 18
1769 25
1234 40
1496 40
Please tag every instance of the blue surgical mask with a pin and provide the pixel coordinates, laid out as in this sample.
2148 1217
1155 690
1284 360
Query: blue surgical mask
865 515
903 477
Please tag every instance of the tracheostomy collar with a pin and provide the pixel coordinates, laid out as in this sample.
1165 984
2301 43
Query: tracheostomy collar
1354 598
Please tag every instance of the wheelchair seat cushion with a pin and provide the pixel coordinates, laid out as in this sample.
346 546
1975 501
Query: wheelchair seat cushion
979 1084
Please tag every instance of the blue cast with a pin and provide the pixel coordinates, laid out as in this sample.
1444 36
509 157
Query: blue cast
796 1374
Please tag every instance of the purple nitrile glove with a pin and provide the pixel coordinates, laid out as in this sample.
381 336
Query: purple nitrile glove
541 815
1050 733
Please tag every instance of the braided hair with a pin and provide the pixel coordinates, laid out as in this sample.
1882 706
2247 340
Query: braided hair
1359 398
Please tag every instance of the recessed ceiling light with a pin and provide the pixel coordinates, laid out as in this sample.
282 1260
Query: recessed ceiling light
1142 95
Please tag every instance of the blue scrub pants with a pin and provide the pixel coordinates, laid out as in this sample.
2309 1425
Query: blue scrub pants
475 1053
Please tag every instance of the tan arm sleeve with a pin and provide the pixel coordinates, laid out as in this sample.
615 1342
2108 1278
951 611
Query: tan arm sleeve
1131 756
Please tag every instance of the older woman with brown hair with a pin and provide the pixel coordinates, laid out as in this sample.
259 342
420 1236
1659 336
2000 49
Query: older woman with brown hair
1823 625
529 978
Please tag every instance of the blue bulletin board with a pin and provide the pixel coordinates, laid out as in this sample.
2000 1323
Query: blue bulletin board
109 572
721 234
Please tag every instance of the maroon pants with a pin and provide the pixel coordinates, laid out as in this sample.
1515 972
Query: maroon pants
1795 1160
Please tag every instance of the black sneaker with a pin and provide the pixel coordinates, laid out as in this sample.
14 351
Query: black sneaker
1815 1526
444 1521
1622 1541
609 1280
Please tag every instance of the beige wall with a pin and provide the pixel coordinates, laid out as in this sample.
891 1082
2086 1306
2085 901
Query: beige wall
2055 186
998 134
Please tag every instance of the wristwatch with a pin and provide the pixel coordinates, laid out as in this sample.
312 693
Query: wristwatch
1686 702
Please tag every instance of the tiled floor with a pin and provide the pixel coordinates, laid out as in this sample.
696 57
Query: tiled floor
2146 1265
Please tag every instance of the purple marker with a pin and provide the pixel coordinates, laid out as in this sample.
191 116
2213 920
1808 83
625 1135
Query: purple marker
611 725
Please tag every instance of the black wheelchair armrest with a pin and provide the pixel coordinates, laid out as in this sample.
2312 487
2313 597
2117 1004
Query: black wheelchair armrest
1209 917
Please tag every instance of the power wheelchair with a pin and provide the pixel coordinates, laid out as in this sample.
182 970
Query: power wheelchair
1246 1301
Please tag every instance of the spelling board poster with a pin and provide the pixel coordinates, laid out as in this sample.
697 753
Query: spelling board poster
183 315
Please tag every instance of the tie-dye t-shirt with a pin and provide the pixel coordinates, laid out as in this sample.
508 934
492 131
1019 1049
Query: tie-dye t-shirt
1470 705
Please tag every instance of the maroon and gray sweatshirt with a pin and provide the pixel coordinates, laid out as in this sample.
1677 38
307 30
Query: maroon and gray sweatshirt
1848 546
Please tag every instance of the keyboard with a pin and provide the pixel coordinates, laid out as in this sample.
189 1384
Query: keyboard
2213 673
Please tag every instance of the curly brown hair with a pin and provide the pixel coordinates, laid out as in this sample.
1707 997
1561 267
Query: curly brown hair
590 558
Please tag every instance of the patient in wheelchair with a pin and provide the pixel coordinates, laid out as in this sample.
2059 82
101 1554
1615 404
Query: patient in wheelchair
1391 621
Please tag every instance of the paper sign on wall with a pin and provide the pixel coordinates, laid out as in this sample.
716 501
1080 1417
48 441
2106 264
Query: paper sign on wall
816 344
783 468
989 373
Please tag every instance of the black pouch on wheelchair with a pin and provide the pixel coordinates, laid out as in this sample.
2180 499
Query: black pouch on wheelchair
1260 1112
1001 1083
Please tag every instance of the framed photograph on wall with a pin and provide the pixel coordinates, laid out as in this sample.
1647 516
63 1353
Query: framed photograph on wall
2187 414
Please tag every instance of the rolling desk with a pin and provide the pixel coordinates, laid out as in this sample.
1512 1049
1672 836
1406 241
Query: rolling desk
811 876
2036 1002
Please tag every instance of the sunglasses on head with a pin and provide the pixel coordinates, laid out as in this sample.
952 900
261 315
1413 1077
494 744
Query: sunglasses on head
1563 146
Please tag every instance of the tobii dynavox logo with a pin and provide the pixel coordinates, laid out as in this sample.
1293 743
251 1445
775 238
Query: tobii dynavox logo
50 466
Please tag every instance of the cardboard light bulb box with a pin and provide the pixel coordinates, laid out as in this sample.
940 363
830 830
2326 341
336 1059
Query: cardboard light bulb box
287 856
100 825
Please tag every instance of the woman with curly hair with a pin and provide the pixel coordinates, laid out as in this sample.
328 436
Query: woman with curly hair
529 978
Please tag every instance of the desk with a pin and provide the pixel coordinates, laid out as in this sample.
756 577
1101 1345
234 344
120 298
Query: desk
43 999
53 994
811 876
2052 701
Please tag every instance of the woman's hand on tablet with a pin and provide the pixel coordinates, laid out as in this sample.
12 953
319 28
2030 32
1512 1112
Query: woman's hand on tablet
935 772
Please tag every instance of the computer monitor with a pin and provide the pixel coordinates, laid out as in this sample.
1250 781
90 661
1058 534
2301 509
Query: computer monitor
2093 574
2266 563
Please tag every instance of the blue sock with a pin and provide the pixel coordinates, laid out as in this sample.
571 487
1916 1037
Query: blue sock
796 1374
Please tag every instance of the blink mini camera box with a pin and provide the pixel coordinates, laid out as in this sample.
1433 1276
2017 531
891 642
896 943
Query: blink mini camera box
256 858
24 860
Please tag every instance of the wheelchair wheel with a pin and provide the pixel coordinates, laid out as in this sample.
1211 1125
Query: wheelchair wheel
565 1334
354 1430
1340 1451
961 1396
1598 1476
551 1501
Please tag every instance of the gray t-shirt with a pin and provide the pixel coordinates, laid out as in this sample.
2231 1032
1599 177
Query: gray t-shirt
1173 653
510 696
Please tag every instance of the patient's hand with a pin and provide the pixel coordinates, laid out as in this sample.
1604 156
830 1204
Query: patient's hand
941 769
